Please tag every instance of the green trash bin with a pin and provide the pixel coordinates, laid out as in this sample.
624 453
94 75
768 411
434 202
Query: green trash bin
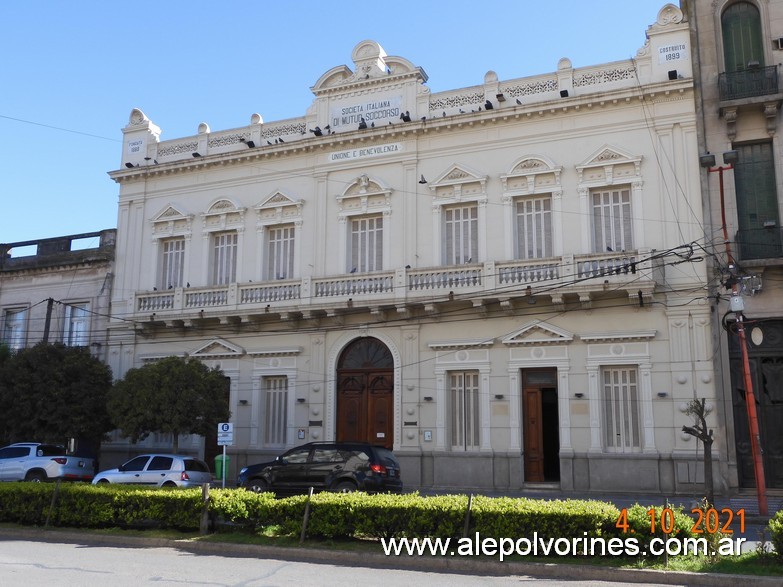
219 464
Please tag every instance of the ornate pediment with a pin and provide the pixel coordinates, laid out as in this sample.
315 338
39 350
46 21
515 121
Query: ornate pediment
539 333
532 174
363 195
218 348
171 221
609 165
223 214
371 65
278 208
459 182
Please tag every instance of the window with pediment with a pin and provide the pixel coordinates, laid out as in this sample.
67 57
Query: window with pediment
459 205
531 194
610 188
223 225
365 207
279 224
171 230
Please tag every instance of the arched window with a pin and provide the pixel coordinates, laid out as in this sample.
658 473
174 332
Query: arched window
742 40
366 353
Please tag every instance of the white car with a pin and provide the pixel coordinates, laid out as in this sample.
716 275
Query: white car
159 470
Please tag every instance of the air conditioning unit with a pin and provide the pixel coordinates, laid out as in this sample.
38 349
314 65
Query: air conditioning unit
778 43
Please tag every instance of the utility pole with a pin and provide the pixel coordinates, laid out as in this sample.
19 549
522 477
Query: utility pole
738 306
47 323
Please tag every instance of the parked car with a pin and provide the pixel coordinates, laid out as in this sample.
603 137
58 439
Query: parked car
34 461
332 466
159 470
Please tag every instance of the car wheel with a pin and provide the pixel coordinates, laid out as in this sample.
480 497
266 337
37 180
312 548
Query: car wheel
103 482
35 476
256 485
169 484
345 487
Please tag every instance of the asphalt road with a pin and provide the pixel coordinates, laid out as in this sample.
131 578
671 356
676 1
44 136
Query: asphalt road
31 563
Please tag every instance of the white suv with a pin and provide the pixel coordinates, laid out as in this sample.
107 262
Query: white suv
159 470
33 461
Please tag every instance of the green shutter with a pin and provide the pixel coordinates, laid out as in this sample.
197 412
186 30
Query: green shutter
741 25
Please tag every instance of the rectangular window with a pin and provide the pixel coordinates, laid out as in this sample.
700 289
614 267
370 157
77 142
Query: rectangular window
275 410
758 236
224 258
460 231
366 244
464 397
14 327
280 252
612 220
534 228
172 263
76 328
620 391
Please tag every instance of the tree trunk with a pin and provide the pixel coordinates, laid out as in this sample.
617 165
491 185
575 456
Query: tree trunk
175 442
708 483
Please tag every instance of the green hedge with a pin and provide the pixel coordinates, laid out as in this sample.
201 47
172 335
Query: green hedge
776 531
332 515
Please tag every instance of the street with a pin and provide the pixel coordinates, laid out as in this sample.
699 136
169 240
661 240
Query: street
30 563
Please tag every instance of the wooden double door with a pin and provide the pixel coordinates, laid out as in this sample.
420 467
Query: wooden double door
541 426
365 393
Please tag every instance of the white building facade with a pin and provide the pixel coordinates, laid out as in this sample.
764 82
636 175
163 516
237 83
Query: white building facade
501 282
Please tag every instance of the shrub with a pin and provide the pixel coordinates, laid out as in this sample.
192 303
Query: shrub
776 532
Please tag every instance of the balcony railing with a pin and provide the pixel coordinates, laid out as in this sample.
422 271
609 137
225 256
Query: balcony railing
748 83
490 279
759 243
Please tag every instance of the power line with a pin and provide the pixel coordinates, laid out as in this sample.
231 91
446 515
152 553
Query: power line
77 132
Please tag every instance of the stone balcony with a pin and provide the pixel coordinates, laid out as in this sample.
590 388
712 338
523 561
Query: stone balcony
405 291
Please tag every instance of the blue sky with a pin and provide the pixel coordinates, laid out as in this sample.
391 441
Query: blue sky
72 71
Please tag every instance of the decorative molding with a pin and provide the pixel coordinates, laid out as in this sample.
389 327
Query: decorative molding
618 336
276 352
462 344
217 348
538 333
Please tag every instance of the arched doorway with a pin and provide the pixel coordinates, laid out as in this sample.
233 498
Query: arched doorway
365 393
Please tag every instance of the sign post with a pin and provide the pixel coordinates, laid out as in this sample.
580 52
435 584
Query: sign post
225 437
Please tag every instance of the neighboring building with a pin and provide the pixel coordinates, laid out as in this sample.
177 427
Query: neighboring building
75 272
739 98
500 282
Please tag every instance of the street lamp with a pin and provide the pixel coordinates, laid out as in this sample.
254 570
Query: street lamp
738 306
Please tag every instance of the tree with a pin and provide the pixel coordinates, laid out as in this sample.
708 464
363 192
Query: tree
53 393
171 396
696 408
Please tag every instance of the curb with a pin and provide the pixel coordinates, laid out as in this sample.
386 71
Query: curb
411 563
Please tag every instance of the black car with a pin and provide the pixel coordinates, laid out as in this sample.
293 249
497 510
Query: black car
330 466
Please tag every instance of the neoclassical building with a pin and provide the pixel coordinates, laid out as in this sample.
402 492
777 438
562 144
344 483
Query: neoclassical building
504 283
